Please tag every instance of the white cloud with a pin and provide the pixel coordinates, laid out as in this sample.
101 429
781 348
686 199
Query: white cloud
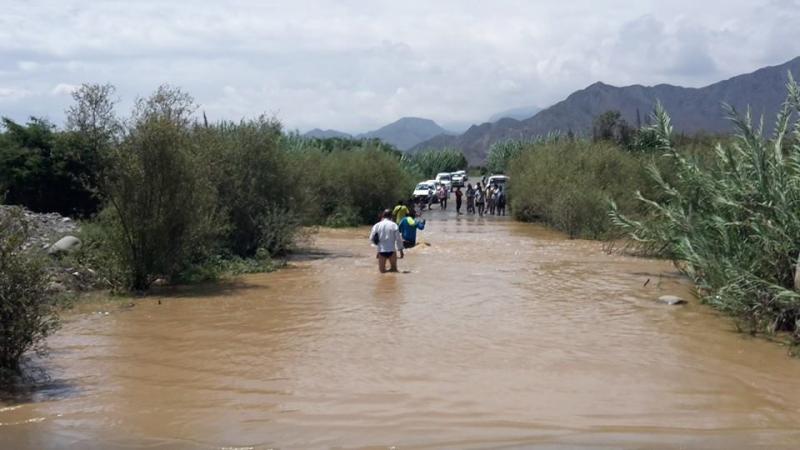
12 93
64 89
356 65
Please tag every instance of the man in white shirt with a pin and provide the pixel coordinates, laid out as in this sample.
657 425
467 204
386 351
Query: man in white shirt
386 236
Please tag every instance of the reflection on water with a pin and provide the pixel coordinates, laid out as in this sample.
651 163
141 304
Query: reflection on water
501 335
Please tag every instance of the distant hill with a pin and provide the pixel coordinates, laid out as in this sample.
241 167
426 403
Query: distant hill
406 132
525 112
691 109
403 134
325 134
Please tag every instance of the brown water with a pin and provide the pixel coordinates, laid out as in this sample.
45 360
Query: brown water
501 335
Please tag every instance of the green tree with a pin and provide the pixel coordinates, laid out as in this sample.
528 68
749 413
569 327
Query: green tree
164 207
44 170
93 118
610 126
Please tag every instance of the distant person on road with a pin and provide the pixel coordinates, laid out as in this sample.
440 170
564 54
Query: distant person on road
480 199
470 199
386 236
490 198
399 211
408 229
501 201
442 194
459 194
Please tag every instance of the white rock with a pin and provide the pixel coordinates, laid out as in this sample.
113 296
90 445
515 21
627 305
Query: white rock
66 244
671 300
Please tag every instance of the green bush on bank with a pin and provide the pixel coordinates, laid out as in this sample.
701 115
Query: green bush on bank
27 313
567 184
349 183
360 183
733 224
258 187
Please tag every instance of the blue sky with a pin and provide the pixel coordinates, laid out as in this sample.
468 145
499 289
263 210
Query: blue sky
357 65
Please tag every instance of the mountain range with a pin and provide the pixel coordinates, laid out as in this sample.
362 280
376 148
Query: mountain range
403 134
520 113
691 109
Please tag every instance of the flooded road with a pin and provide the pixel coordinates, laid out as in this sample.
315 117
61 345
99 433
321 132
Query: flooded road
502 335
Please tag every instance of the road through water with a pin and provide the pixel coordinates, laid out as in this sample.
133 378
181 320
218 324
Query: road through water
501 335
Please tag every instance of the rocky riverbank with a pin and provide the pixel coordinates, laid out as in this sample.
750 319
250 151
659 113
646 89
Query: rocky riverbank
56 239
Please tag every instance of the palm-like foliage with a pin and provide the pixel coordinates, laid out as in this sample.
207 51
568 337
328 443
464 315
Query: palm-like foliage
428 163
733 227
501 153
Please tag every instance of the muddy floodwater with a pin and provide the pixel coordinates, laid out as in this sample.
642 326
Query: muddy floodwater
499 335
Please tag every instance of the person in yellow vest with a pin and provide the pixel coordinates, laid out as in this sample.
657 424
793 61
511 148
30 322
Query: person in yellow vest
399 211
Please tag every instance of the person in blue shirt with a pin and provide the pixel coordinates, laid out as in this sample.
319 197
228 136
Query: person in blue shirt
408 229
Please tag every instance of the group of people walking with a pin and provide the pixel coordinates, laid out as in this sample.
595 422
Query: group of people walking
395 232
396 229
480 200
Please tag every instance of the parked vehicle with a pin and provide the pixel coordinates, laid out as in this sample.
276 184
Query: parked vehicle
444 178
423 191
497 180
458 179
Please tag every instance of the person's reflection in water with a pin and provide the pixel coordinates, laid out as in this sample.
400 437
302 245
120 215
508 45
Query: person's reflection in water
388 298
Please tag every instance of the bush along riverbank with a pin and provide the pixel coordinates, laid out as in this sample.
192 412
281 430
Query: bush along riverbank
726 210
568 182
733 223
28 310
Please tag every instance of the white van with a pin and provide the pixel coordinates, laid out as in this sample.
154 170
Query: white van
497 180
445 179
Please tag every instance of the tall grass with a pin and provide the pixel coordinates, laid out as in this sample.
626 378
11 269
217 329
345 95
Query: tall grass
733 224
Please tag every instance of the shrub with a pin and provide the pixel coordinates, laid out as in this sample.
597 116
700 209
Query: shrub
258 189
27 313
361 181
347 185
567 184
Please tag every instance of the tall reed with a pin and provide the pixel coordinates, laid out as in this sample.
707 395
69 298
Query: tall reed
732 224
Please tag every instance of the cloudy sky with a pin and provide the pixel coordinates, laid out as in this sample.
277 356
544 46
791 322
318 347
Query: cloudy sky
357 65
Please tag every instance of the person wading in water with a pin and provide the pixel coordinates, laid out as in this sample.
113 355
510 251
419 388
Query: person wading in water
386 236
408 229
399 211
